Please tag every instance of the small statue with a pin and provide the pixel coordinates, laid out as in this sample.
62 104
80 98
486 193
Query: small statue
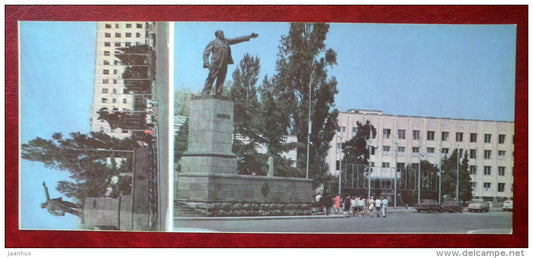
57 206
220 52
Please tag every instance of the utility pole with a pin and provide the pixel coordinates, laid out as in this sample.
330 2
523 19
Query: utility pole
309 126
457 176
395 168
369 163
420 155
340 159
419 163
440 178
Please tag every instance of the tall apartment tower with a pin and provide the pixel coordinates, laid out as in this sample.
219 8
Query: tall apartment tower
109 90
404 140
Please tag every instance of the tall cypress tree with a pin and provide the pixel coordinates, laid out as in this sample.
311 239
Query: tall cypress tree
243 93
449 179
303 63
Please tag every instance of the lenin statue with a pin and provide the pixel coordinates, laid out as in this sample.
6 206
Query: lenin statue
57 206
220 52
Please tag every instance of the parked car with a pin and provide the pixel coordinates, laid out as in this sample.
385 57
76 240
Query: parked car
428 205
507 205
452 206
478 205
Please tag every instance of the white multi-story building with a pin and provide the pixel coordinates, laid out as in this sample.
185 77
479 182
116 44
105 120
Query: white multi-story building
404 140
109 90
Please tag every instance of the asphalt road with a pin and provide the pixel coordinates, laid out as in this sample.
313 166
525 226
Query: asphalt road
397 221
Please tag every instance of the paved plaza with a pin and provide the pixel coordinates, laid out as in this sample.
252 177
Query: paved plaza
399 220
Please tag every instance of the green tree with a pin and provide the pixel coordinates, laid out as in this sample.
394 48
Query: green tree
246 132
273 128
121 119
428 180
182 98
80 156
356 149
302 68
449 177
181 143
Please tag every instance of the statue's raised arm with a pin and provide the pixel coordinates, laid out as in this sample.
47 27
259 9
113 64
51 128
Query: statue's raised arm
46 192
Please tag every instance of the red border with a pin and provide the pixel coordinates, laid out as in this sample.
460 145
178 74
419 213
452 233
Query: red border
361 14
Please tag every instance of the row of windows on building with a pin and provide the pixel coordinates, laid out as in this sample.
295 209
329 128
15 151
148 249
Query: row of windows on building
487 170
430 135
108 53
107 81
103 130
114 91
119 35
487 187
127 25
121 44
107 71
430 152
114 100
107 62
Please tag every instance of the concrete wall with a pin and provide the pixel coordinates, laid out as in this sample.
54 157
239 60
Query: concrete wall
101 212
223 187
240 195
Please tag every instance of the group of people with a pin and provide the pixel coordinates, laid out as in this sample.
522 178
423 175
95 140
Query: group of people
353 205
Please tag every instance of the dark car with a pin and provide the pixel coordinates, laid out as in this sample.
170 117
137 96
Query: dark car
428 205
452 206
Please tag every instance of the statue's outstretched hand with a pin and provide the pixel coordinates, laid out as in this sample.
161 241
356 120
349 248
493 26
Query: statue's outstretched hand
254 35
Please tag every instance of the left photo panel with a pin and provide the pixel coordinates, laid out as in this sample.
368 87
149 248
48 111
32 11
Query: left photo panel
95 125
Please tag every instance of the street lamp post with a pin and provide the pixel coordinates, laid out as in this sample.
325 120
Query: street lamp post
419 174
369 163
440 179
309 127
419 160
340 176
457 177
339 138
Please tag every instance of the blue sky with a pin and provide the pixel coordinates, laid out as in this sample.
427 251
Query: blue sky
56 87
454 71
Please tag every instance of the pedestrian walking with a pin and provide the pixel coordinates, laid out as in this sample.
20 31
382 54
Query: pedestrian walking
327 203
384 205
353 205
371 207
337 204
347 205
360 206
318 205
377 204
363 207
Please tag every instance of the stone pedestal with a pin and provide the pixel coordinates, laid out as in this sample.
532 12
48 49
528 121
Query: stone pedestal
210 137
209 185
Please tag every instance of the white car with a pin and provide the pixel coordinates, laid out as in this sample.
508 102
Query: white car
507 205
478 206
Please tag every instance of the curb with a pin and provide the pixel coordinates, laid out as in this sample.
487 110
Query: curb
316 216
264 217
